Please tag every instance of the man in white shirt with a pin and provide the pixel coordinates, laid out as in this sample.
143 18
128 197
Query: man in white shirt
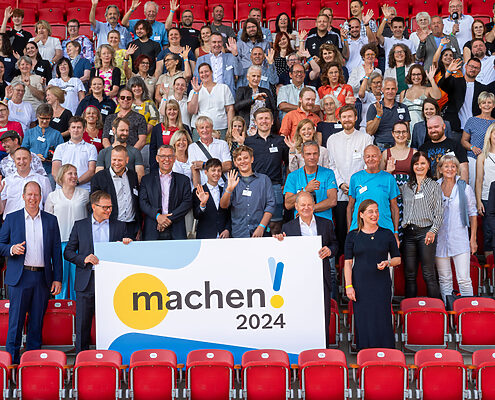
207 147
77 152
11 142
345 151
356 41
458 24
487 73
398 26
11 187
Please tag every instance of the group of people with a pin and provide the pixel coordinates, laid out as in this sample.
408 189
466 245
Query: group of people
375 138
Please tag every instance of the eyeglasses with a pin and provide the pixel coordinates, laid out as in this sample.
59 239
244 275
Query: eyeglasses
128 98
162 157
104 208
400 132
416 74
399 52
45 118
145 63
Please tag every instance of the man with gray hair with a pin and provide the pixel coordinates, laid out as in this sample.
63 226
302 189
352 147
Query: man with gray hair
269 75
150 11
101 29
19 110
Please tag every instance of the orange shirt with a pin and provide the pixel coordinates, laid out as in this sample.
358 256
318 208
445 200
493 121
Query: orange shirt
340 92
292 118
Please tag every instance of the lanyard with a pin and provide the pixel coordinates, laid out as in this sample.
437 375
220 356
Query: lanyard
306 176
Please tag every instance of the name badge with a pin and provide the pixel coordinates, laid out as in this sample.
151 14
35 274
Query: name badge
3 129
228 68
157 38
41 139
104 112
57 120
356 155
7 59
264 78
139 107
192 31
401 110
418 196
97 140
110 132
337 126
223 34
273 149
363 189
450 153
40 69
135 192
246 192
166 133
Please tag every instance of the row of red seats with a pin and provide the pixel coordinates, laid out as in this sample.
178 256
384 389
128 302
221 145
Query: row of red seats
264 374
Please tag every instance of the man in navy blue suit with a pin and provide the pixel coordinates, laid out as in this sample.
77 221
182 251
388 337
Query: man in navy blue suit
80 251
308 224
213 221
30 238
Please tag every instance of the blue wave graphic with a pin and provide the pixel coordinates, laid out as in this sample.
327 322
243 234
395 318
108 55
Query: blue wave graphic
131 342
175 254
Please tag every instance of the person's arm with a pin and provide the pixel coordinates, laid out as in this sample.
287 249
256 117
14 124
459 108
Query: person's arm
464 171
473 224
230 113
366 20
379 33
394 210
373 124
139 172
6 15
98 169
434 90
58 55
349 290
350 211
286 107
290 200
187 63
92 13
125 20
39 94
141 142
232 182
329 202
480 173
466 137
71 252
86 177
174 6
193 103
490 209
56 164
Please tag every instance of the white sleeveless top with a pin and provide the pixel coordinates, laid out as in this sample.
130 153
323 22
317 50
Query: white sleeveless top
488 175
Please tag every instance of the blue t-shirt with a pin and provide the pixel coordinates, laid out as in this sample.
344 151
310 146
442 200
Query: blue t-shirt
298 180
35 141
380 187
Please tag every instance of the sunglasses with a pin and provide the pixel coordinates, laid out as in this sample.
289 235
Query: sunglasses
128 98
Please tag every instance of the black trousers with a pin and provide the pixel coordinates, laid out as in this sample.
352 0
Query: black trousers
414 251
340 225
85 312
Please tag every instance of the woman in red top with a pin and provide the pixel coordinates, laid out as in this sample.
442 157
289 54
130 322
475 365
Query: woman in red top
204 40
94 127
333 83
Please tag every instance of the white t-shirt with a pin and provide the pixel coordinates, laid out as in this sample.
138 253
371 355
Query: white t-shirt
22 113
47 50
218 149
389 43
464 35
71 88
213 105
78 154
466 110
354 52
487 73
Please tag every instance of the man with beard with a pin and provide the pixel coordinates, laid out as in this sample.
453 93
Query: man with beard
101 29
356 40
322 35
251 37
188 35
487 73
218 27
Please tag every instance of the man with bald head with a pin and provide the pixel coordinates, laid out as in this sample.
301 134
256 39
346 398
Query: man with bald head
440 145
308 224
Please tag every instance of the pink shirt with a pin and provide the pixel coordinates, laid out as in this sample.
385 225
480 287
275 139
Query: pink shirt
165 180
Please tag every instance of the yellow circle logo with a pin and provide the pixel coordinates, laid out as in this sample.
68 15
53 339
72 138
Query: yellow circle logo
139 301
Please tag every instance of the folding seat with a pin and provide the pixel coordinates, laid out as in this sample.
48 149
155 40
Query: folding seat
340 10
97 375
41 375
55 16
265 375
382 374
4 321
334 326
164 12
197 7
210 375
424 323
243 8
373 5
399 282
152 375
317 369
402 8
440 375
79 13
484 374
475 323
488 267
228 9
59 324
273 9
431 6
30 17
5 367
305 13
444 7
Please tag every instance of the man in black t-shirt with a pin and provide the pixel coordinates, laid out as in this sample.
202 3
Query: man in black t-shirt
188 35
321 36
18 37
440 145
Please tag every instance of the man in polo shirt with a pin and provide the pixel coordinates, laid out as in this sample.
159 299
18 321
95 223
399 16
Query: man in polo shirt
321 36
101 29
398 26
307 99
270 155
150 11
382 116
77 152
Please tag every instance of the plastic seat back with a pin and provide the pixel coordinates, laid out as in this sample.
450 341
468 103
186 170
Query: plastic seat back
484 361
4 321
5 362
210 374
475 320
266 374
334 324
152 374
320 366
59 324
41 374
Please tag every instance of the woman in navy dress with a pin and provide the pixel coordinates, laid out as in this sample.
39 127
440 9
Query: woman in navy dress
368 281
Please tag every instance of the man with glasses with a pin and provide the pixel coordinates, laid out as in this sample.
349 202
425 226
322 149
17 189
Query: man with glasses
101 29
99 227
458 24
165 199
138 128
87 50
189 36
77 152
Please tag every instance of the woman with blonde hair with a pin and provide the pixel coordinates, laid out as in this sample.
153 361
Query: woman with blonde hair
105 68
305 132
180 141
236 133
55 96
49 47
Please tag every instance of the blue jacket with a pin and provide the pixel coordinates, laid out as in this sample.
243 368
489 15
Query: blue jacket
231 68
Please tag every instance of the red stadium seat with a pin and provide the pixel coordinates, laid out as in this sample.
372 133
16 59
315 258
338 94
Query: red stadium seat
5 362
373 5
399 282
152 375
265 374
210 375
79 13
97 375
4 321
59 324
475 323
334 328
484 373
41 375
243 8
340 10
424 323
306 9
273 9
228 9
164 11
29 16
319 367
197 7
53 15
382 374
402 8
440 375
444 7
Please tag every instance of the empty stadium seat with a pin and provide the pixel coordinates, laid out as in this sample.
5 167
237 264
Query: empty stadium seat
265 375
340 10
424 323
152 375
5 363
440 375
210 375
305 13
475 323
97 375
79 13
319 367
484 373
41 375
4 321
335 335
243 8
382 374
59 329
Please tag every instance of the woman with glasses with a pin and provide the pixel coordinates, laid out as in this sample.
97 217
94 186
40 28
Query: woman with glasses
172 63
142 65
333 83
175 47
369 53
399 61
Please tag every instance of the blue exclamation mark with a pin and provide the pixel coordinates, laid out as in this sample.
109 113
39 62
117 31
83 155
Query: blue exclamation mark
276 272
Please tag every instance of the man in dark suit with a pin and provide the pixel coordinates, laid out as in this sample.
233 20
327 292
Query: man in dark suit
165 199
30 238
122 184
308 224
213 221
80 251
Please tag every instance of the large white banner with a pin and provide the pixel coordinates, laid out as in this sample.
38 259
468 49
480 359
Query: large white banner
234 294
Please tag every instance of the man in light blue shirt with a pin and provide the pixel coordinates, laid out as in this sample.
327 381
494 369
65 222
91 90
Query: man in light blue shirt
256 14
150 11
269 75
251 37
101 29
